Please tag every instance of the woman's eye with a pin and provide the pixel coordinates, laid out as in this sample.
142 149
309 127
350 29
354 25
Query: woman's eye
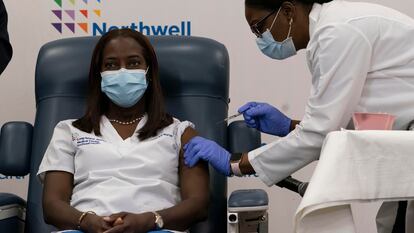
110 66
134 63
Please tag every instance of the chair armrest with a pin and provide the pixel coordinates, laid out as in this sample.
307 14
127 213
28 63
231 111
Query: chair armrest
249 199
12 206
241 138
15 148
11 199
247 211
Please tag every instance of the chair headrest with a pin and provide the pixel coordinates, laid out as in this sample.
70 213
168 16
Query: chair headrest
63 66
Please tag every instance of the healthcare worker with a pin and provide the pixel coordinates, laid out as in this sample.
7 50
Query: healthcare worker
361 57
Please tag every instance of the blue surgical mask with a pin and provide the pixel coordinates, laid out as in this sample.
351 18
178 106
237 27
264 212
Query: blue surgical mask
124 87
274 49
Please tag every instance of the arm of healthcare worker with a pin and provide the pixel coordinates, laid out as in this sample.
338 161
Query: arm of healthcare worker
341 58
194 184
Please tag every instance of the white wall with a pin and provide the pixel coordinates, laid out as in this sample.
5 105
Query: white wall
253 76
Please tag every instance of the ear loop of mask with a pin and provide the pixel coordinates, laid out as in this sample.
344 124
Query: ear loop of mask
274 20
290 23
290 27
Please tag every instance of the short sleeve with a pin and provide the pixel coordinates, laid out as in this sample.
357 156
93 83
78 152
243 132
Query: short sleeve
59 155
179 129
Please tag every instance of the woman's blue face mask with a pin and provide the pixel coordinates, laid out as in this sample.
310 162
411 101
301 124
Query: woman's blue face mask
124 87
274 49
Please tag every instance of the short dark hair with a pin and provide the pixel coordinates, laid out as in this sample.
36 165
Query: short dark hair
97 101
275 4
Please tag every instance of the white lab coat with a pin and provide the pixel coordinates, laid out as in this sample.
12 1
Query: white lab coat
361 57
112 175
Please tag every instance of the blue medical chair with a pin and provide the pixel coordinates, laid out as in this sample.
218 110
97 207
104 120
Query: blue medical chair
194 74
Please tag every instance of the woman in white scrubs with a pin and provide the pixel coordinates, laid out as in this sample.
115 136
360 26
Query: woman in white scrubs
361 57
120 167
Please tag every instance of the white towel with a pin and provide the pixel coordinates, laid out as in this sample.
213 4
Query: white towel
357 166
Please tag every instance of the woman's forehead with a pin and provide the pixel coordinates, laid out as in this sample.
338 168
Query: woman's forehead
123 45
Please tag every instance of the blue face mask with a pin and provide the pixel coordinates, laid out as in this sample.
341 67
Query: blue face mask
274 49
124 87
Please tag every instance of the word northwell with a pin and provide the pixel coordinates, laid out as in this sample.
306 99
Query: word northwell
183 29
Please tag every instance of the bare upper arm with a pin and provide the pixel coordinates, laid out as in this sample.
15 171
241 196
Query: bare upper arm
58 185
194 181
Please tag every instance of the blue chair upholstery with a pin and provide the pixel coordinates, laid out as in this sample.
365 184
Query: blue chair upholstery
12 211
194 74
242 138
15 147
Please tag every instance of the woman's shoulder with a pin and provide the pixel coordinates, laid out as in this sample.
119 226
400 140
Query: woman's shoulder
176 121
65 125
177 127
182 123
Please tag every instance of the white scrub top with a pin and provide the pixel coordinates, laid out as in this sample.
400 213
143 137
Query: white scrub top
112 175
361 57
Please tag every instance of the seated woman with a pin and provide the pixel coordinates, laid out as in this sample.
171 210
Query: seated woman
120 167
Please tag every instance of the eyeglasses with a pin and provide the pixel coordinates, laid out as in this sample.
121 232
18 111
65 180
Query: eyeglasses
255 27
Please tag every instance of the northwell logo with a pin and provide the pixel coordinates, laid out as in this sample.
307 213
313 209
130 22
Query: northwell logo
74 19
83 16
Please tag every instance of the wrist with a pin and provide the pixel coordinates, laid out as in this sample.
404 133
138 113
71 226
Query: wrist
155 222
84 219
293 124
245 166
234 158
235 168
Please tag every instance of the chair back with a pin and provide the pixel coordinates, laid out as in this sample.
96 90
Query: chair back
194 74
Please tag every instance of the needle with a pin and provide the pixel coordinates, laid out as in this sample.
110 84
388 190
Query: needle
230 117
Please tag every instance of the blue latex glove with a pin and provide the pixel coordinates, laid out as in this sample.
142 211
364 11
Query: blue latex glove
200 148
266 118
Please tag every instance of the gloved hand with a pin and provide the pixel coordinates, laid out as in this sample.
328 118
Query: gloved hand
200 148
265 118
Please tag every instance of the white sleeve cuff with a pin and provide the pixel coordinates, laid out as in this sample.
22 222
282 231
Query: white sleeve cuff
258 168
